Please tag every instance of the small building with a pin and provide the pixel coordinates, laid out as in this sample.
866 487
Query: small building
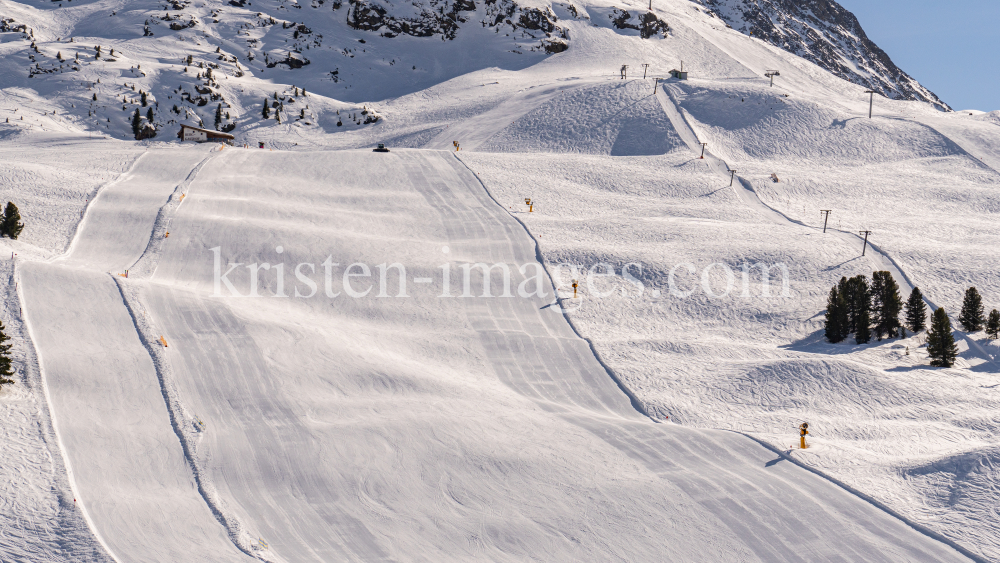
198 135
679 74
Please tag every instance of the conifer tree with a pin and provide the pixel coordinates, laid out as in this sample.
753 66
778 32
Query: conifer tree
886 305
836 317
5 368
940 341
863 332
136 121
95 97
11 225
142 98
973 315
149 116
845 289
916 311
860 304
267 109
993 325
218 117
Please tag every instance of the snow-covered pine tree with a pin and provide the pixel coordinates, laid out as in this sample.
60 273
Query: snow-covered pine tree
940 341
267 109
836 317
95 97
149 116
143 99
5 364
916 311
218 117
993 325
11 226
973 315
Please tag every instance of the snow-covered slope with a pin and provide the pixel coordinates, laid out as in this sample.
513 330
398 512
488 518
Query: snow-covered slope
289 428
318 428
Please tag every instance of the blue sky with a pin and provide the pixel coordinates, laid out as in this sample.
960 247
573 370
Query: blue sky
950 46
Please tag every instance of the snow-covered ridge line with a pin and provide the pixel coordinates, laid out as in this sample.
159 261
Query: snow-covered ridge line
185 426
824 32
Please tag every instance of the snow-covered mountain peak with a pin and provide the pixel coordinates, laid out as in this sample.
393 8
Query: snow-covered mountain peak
827 34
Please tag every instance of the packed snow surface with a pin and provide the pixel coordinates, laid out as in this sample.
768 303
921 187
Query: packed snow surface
218 360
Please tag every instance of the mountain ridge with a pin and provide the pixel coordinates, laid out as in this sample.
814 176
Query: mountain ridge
827 34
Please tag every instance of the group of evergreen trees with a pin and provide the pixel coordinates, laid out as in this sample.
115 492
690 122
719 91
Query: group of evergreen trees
973 317
10 223
139 129
865 309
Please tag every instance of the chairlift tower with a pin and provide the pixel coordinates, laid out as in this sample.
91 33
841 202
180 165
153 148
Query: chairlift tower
865 247
871 101
826 217
771 74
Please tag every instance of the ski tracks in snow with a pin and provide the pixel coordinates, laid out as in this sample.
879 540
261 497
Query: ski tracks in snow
188 427
669 97
72 305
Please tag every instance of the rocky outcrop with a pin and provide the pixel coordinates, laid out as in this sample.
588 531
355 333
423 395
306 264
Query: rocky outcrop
824 32
290 60
367 16
647 23
444 18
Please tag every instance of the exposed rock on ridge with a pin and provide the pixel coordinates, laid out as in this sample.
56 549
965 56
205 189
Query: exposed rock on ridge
827 34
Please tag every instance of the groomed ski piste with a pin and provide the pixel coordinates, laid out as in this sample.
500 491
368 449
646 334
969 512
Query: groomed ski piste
171 406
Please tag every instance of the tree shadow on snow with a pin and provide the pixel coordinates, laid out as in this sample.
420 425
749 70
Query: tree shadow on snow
817 343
